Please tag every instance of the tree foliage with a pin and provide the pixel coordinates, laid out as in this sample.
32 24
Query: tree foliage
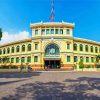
5 59
97 58
81 65
0 33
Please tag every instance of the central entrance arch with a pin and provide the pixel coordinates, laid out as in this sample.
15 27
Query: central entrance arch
52 56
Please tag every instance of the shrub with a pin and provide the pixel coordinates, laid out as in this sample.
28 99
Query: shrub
14 67
4 67
9 67
88 66
74 66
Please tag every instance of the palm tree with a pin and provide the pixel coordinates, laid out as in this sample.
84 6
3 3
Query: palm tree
0 33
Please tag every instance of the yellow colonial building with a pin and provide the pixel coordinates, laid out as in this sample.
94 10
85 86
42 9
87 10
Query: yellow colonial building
53 45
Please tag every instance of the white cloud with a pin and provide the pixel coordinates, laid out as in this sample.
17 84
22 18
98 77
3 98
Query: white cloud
9 37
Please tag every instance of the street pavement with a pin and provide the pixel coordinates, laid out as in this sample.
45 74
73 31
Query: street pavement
50 85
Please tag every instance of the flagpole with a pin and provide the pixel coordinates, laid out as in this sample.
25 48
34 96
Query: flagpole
52 12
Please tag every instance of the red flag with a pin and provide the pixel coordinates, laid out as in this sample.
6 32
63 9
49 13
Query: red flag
51 17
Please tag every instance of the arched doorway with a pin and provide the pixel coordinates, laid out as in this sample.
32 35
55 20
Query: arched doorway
52 56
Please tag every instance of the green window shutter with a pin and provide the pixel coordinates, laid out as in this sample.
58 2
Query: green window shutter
92 59
29 47
18 49
35 58
17 60
8 50
23 48
12 50
81 47
75 47
75 58
23 60
87 59
29 59
12 60
68 58
86 48
96 50
91 48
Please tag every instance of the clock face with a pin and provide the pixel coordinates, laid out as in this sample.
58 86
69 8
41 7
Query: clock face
52 51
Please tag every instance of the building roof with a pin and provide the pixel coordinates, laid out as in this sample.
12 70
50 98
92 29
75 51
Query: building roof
30 39
86 41
51 24
16 42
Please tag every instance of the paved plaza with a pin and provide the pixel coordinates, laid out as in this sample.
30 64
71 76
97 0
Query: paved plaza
50 86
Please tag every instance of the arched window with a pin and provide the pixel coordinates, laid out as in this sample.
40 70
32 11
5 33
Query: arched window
23 60
52 49
75 47
12 49
96 50
91 48
86 48
29 47
17 48
81 47
0 51
23 48
8 50
12 60
17 59
4 51
29 59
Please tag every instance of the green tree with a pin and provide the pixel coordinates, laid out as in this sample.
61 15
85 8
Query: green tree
5 59
97 58
0 33
81 65
97 62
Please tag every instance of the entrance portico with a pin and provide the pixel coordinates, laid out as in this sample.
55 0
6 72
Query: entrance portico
52 56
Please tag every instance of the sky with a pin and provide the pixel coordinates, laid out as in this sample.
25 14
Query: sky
16 16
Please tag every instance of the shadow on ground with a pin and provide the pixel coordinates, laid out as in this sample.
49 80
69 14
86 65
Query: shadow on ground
18 74
77 90
85 83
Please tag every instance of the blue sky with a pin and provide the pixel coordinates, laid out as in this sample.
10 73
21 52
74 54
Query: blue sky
16 15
